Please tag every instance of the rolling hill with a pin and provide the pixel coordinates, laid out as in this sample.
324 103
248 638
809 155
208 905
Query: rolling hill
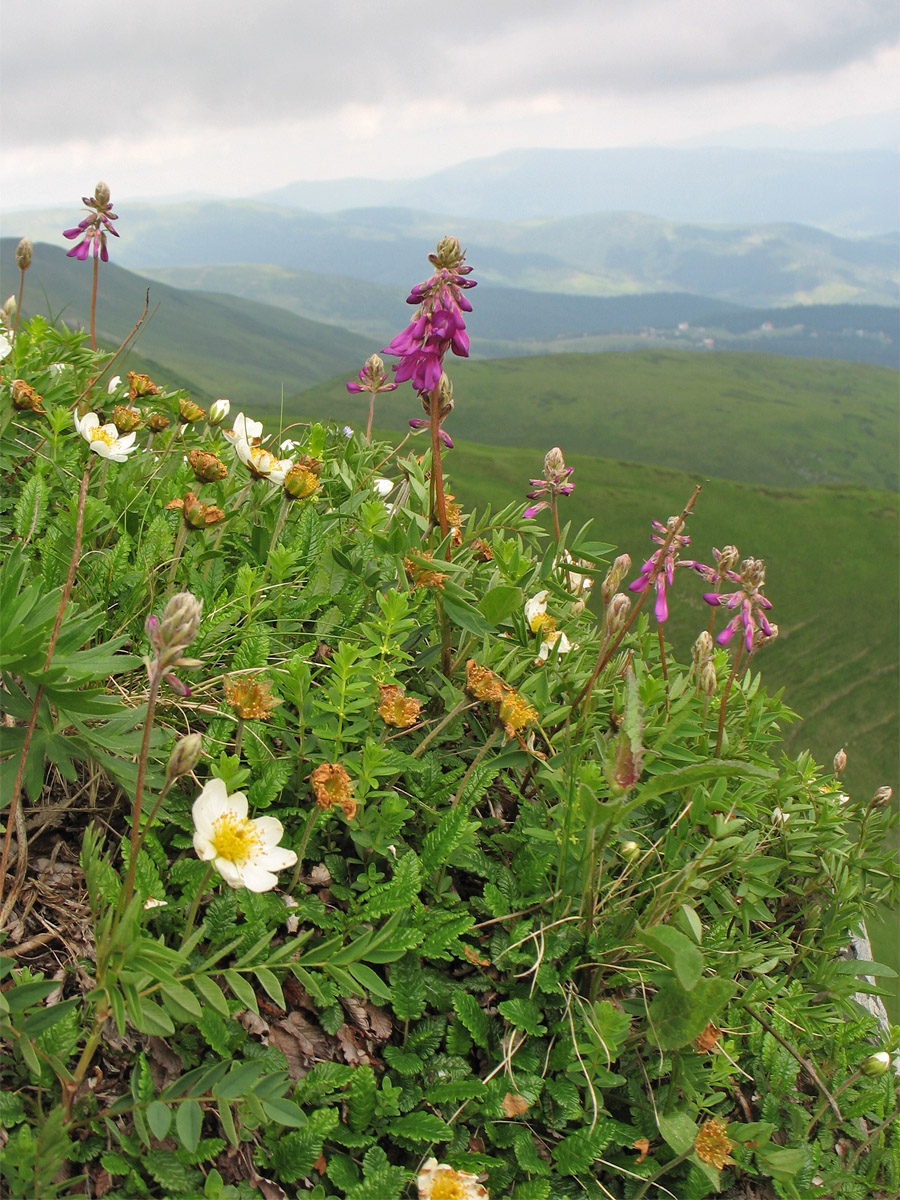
217 346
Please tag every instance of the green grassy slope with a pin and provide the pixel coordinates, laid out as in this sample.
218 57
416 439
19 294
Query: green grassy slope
758 418
222 345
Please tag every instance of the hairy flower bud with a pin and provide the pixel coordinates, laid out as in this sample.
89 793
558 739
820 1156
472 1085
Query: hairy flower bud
184 756
726 560
301 481
882 797
554 463
179 625
614 577
24 252
702 647
9 308
617 613
708 680
140 386
218 411
876 1065
157 422
449 256
101 193
840 761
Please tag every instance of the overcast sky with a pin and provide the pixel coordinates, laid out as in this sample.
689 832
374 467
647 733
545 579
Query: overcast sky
233 97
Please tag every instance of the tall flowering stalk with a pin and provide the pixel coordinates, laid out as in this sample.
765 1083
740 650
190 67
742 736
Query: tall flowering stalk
554 484
658 572
438 326
93 230
372 380
24 252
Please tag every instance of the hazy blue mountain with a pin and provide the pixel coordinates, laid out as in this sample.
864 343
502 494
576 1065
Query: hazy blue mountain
604 254
849 192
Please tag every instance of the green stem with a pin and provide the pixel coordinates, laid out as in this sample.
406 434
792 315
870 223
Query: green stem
128 889
437 467
178 549
674 1162
195 904
19 303
279 524
723 706
308 828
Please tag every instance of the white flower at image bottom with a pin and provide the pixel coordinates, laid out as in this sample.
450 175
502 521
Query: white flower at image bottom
105 440
244 852
437 1181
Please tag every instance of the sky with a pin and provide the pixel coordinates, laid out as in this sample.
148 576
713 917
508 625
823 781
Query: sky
237 97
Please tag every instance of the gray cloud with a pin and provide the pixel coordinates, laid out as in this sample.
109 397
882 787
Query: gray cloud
152 69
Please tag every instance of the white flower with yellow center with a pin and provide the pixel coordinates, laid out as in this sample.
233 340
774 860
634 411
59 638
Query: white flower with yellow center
244 430
437 1181
536 611
555 640
245 853
263 463
105 440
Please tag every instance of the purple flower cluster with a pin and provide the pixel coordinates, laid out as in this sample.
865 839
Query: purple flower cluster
438 325
662 572
94 228
555 482
749 601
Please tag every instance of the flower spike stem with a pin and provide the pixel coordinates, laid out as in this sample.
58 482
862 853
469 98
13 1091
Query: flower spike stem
94 301
437 467
19 304
609 648
739 653
14 816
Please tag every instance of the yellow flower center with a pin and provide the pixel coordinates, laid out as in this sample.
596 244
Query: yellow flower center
448 1186
99 434
234 839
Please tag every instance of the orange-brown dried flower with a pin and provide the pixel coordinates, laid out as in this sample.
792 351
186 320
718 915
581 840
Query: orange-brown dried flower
482 683
157 422
24 397
481 550
515 712
421 576
197 515
708 1039
127 419
140 386
189 412
250 697
454 512
643 1145
207 467
302 481
333 786
396 708
713 1144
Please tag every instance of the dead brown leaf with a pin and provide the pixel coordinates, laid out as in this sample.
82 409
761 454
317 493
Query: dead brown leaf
515 1105
301 1042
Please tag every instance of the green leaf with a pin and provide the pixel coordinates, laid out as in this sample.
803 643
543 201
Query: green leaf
370 980
500 602
361 1098
45 1018
212 994
677 951
678 1016
473 1017
285 1112
241 989
421 1127
181 1002
269 981
159 1118
678 1131
189 1124
696 773
858 966
524 1013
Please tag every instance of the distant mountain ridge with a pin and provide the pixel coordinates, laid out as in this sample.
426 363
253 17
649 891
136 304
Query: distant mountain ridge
603 254
847 192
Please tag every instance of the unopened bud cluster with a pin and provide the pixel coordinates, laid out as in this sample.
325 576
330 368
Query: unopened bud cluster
702 653
614 577
172 635
184 757
24 253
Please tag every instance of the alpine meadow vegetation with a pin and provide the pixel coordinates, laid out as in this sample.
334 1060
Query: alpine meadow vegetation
360 846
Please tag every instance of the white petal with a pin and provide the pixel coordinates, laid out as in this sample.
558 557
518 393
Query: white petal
257 879
203 848
237 804
383 487
536 607
229 872
209 806
276 859
270 830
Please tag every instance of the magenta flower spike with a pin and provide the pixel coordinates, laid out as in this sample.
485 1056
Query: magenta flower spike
750 603
94 228
438 325
662 574
554 483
